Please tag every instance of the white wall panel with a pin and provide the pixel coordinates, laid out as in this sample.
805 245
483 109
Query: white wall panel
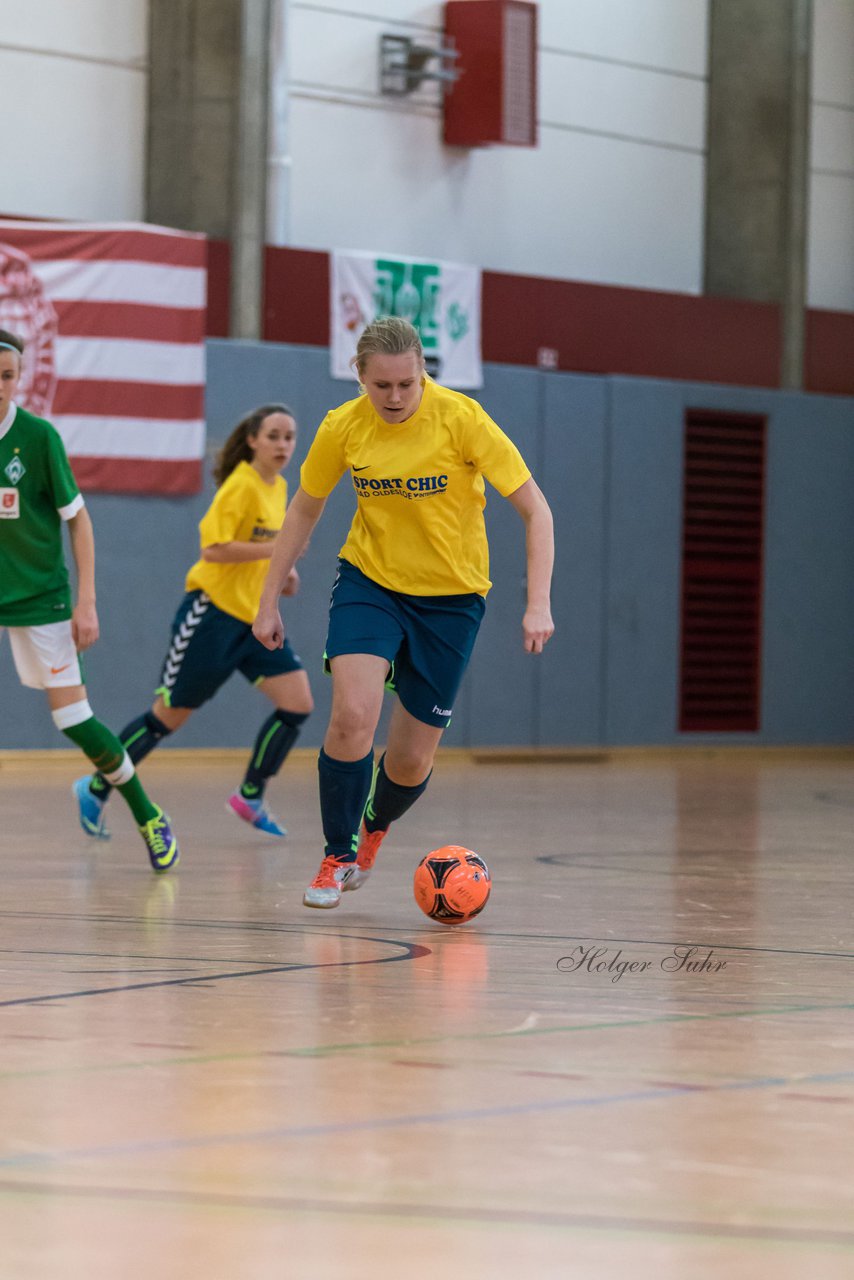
409 11
579 206
613 192
77 72
830 252
669 34
615 99
832 139
85 163
339 53
833 51
830 259
92 29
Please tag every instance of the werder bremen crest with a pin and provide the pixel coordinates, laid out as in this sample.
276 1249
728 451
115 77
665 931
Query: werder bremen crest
15 469
441 299
411 290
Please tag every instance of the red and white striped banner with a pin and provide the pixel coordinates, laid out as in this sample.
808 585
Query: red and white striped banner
113 317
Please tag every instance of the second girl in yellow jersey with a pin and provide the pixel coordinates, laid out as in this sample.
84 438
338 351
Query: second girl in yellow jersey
212 629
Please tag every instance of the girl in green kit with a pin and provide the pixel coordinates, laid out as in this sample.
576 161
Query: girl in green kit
38 493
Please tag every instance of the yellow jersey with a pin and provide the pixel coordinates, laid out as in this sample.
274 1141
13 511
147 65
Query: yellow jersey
419 487
245 509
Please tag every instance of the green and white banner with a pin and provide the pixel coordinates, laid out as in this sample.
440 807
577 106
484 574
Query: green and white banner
442 299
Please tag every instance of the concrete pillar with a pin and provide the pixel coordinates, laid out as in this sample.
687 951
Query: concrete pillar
757 170
250 187
192 113
207 134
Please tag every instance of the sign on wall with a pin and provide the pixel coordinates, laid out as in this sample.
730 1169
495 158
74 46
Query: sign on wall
113 321
442 300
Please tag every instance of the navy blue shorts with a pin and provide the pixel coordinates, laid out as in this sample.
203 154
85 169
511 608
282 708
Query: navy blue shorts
208 646
427 640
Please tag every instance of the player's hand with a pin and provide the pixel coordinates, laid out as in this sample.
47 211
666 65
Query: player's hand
84 626
537 628
291 586
268 628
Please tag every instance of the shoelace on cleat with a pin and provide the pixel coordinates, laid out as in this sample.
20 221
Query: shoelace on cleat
370 848
325 878
156 841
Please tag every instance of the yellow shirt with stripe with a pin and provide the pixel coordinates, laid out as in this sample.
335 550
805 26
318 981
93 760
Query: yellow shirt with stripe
245 509
419 486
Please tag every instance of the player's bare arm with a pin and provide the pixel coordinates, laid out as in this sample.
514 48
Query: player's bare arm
292 584
237 552
291 541
537 624
84 618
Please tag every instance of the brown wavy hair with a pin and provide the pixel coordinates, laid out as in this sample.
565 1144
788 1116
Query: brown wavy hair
236 448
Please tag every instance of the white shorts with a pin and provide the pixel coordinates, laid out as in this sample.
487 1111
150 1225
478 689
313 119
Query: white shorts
45 657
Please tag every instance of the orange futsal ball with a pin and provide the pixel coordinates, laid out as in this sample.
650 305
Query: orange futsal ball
452 884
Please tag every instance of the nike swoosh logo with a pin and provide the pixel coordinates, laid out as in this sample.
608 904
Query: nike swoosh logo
55 671
364 468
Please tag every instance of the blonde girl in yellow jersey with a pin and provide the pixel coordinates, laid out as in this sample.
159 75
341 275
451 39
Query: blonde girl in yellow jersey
212 629
412 579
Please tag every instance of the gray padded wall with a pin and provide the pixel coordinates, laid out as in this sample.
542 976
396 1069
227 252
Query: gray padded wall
503 680
808 654
608 453
553 699
807 691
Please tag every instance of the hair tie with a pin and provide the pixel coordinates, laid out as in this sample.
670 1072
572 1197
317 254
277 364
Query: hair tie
10 346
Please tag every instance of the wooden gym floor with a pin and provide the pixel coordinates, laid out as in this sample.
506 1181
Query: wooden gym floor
201 1078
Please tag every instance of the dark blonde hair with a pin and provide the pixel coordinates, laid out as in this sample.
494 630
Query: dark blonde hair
386 336
236 448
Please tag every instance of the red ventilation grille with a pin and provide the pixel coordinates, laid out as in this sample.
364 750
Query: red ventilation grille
495 98
722 524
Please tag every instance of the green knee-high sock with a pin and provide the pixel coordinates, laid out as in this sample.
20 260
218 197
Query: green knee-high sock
137 800
108 756
138 738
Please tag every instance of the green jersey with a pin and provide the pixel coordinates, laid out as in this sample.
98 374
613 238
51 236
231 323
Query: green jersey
37 492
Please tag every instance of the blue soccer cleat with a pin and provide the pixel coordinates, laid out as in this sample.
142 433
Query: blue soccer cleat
90 810
256 813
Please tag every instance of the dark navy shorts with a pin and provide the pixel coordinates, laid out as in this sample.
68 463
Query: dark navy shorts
208 646
427 640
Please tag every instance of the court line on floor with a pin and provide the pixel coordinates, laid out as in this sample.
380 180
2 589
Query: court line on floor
475 1215
484 935
376 1124
449 934
411 951
407 1042
125 957
614 1024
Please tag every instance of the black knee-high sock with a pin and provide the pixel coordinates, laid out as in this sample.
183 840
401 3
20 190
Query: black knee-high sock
275 738
389 800
344 785
138 738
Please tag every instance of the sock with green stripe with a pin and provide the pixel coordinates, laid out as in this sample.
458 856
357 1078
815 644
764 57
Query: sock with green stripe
344 785
138 738
389 800
275 738
107 754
